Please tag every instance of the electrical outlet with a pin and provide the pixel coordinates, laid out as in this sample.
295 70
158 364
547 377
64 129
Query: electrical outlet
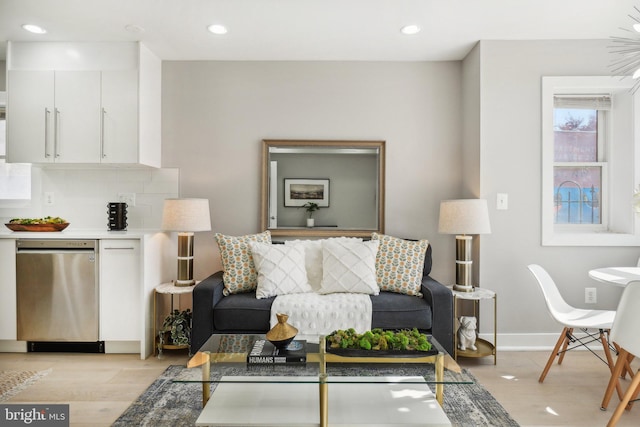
128 198
590 295
49 198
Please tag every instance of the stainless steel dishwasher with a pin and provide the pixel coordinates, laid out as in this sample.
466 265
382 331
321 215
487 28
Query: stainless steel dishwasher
57 294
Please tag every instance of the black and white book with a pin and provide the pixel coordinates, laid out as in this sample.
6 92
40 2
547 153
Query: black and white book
265 353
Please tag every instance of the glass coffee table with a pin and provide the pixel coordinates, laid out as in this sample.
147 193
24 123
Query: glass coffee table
259 392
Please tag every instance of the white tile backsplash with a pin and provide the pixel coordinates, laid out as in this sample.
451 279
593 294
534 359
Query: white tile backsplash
81 195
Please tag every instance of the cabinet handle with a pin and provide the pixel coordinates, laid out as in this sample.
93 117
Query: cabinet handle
120 249
56 130
47 114
102 153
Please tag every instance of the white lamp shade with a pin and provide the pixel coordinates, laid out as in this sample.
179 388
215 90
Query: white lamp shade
464 216
186 215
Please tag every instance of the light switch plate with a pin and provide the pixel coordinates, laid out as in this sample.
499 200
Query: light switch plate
502 201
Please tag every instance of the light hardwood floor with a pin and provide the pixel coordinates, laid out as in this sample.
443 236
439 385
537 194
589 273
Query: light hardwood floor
100 387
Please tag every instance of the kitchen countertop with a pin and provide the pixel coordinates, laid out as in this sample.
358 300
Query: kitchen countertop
71 233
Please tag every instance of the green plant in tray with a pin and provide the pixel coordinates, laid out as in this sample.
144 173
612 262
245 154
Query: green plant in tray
378 339
45 220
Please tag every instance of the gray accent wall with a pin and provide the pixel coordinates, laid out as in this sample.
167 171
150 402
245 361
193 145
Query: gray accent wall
215 115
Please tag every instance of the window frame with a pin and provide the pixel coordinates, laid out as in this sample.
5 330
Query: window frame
620 226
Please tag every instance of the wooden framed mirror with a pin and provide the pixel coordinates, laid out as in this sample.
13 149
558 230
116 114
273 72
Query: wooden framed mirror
345 179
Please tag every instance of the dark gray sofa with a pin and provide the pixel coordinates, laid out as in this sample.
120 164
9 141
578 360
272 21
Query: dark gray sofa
214 313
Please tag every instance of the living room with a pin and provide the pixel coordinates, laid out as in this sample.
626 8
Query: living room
468 127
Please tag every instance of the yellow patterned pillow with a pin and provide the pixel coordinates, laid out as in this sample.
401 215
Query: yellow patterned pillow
399 264
237 261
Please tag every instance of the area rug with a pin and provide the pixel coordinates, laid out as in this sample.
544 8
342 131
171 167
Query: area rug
13 382
167 403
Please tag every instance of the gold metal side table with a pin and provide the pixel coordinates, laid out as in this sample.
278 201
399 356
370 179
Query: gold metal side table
170 289
484 347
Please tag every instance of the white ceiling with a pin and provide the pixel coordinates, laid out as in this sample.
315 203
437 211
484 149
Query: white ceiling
313 29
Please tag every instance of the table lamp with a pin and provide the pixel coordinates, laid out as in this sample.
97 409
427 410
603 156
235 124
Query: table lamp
186 216
462 218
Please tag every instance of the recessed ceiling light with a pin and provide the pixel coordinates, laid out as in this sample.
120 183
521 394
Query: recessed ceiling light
636 27
410 29
217 29
35 29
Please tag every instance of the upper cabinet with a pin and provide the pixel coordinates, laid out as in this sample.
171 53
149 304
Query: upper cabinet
83 103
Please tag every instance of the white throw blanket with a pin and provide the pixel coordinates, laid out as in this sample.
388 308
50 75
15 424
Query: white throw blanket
315 314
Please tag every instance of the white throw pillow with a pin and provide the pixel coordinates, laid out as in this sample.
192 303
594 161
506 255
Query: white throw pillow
280 269
312 260
349 266
313 257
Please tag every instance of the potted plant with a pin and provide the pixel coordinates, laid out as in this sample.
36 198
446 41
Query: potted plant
176 328
310 207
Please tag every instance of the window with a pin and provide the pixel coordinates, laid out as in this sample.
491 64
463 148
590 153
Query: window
15 178
579 144
588 159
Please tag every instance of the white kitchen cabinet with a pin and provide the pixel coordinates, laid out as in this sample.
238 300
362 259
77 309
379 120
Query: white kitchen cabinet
76 117
119 116
121 291
29 130
72 117
8 309
99 106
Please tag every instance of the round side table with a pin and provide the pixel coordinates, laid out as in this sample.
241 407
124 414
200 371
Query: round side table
484 347
170 289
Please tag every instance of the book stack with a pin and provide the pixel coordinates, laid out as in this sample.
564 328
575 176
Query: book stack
265 353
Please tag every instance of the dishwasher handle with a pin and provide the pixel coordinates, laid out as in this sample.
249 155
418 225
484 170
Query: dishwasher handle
56 245
55 251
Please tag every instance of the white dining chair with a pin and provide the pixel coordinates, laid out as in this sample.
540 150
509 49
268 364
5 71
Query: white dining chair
571 318
624 333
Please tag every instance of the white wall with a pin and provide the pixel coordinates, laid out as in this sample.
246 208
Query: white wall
510 162
215 115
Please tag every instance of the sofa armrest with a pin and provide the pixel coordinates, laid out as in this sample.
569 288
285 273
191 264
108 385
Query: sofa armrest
441 300
206 295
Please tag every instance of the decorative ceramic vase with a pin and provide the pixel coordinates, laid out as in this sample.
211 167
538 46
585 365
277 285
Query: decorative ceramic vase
282 333
310 222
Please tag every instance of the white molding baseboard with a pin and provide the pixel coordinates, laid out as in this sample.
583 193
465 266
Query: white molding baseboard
529 342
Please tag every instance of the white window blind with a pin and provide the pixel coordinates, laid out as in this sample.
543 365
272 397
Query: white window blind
586 102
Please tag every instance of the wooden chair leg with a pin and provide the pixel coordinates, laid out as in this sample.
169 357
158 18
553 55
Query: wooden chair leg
627 368
634 396
554 353
568 333
607 353
625 400
613 381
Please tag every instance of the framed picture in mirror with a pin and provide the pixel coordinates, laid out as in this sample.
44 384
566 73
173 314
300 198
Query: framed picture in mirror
298 192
